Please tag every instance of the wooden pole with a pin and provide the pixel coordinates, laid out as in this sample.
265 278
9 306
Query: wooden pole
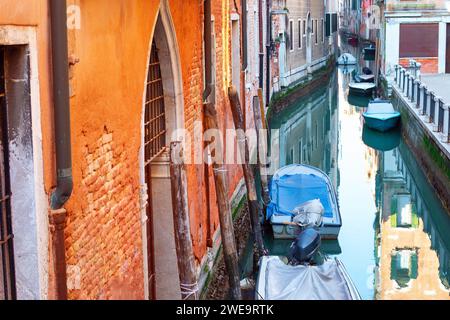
260 123
226 222
183 241
255 208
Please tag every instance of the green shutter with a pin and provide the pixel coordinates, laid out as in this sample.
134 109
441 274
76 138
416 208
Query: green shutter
394 212
414 217
414 266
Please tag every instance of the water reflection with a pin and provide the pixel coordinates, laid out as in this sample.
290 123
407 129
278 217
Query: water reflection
412 247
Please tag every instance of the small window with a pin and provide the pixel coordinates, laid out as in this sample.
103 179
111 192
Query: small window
299 34
300 151
316 34
323 31
291 35
304 27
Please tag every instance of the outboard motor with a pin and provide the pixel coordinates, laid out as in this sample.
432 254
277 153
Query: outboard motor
367 71
304 248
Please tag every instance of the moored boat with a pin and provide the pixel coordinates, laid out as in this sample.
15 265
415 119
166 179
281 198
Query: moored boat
369 53
365 78
346 59
362 88
278 280
381 116
293 186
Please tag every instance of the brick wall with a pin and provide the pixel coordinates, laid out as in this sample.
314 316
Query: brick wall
103 239
429 65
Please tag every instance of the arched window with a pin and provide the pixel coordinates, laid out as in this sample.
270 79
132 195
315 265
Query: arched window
155 117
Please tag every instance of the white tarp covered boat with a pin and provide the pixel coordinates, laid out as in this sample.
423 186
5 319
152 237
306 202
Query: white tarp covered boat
346 59
280 281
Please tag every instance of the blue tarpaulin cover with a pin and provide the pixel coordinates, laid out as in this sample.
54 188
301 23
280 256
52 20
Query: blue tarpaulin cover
293 188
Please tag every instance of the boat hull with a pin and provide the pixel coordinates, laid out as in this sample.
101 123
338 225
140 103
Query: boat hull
361 92
288 232
381 125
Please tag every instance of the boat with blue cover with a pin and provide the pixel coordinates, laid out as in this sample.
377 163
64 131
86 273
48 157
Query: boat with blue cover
381 116
291 187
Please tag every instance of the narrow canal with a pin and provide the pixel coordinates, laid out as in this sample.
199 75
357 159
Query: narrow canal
394 239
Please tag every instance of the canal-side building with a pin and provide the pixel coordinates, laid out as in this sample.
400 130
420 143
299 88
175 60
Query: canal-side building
416 30
301 44
359 18
350 16
136 75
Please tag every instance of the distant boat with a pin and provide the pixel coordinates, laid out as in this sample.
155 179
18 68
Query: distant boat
369 53
280 281
294 185
362 88
381 116
346 59
347 69
382 141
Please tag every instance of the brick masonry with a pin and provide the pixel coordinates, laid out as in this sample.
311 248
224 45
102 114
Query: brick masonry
103 239
429 65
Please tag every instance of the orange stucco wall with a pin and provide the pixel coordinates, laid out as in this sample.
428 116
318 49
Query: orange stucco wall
104 246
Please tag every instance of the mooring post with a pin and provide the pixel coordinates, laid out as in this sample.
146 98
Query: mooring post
225 219
260 124
249 176
182 230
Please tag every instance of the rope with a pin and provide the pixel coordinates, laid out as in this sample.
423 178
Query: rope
188 290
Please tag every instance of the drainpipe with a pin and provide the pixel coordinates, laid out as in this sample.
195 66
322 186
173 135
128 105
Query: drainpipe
268 47
244 43
61 110
208 53
261 45
207 33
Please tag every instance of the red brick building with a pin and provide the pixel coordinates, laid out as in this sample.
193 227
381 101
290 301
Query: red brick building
136 70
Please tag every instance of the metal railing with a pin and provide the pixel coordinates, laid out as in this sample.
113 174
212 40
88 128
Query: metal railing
434 109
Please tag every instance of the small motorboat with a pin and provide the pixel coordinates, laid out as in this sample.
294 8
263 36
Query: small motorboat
278 280
298 191
381 116
361 88
347 69
369 53
346 59
365 78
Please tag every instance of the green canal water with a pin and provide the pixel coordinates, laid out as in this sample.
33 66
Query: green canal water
395 238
